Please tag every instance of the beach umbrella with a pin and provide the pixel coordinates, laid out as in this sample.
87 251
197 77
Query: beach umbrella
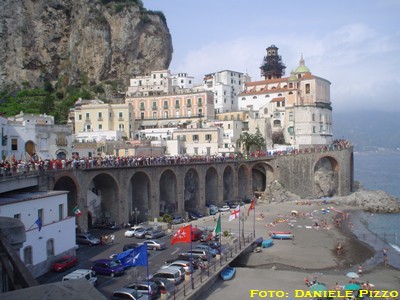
352 287
318 287
352 275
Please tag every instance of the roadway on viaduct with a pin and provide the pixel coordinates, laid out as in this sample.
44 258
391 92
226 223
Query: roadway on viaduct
112 194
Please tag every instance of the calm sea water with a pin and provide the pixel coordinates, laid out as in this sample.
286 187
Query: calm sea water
380 171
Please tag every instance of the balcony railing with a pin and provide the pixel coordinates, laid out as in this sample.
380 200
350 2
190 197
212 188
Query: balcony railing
61 142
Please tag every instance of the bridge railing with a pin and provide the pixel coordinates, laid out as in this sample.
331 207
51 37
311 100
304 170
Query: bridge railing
213 268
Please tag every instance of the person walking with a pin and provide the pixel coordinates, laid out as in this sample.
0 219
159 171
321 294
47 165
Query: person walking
385 257
360 270
112 237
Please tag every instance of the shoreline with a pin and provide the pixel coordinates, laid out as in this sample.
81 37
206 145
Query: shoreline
285 265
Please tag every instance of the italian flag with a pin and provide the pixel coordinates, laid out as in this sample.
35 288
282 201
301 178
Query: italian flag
217 228
77 211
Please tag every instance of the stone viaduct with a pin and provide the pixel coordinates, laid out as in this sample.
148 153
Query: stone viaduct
113 193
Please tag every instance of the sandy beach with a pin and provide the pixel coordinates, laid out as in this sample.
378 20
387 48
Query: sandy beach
312 253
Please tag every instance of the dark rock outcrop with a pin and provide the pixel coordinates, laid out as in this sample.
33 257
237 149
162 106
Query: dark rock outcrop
76 40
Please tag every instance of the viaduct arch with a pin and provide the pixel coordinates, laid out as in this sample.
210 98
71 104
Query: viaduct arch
112 194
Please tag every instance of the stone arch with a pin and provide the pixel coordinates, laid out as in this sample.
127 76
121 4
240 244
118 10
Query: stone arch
168 193
326 177
191 191
103 199
228 184
262 175
244 182
140 193
211 186
66 183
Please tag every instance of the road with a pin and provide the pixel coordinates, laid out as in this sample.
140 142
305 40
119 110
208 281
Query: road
106 285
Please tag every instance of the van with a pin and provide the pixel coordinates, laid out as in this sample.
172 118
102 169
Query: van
89 275
170 274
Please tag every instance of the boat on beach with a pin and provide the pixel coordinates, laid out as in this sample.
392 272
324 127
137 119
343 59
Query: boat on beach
282 236
279 232
228 273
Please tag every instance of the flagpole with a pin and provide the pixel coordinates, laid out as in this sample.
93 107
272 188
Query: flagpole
191 257
240 245
254 218
147 275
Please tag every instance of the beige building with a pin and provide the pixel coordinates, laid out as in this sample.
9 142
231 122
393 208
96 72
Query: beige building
298 105
95 120
199 141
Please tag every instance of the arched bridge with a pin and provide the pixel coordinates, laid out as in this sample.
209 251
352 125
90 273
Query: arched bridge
113 193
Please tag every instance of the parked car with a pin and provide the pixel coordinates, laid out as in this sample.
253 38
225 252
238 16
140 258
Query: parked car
155 244
64 263
195 256
131 231
178 220
213 209
87 239
170 274
154 234
108 267
164 285
207 248
131 246
206 236
196 234
87 274
224 208
141 232
143 288
127 294
180 263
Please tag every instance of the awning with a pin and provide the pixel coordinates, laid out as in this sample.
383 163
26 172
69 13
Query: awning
148 123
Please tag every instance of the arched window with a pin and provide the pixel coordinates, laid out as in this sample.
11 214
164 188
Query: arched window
277 123
280 95
50 247
255 97
265 111
243 98
266 96
28 255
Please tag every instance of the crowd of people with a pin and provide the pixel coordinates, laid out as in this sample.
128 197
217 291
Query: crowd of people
34 164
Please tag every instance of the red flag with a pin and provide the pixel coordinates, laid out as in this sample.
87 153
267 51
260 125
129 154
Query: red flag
252 205
182 235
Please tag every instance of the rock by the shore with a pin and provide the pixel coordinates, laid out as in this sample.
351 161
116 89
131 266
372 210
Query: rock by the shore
373 201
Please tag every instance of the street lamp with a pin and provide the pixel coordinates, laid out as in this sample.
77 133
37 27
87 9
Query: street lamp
136 213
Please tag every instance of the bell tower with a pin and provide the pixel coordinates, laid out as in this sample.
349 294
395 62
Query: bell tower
272 66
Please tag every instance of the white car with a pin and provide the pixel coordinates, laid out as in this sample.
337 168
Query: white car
224 208
131 232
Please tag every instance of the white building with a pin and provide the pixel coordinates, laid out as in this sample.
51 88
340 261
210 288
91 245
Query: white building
299 106
57 234
30 135
226 86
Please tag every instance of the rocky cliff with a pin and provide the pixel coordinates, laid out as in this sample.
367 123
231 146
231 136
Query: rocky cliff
70 40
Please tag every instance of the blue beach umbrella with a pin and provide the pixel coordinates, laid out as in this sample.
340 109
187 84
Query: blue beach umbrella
352 287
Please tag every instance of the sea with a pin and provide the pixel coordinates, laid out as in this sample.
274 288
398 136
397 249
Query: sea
379 170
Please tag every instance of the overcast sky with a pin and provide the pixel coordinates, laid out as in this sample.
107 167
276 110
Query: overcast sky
353 44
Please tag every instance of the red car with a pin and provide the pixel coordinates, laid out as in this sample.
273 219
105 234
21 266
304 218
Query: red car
64 263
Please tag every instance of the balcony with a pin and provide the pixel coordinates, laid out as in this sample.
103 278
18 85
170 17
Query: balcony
142 108
61 142
165 106
177 106
189 105
154 108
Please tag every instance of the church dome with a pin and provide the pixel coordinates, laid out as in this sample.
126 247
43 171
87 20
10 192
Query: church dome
292 77
302 67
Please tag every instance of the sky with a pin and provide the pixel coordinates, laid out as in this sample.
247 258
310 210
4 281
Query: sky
353 44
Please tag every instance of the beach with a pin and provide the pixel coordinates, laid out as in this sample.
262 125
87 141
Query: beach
312 254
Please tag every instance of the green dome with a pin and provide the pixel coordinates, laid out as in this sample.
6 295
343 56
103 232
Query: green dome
302 68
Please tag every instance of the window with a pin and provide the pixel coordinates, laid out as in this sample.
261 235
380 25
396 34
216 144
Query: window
290 85
142 115
87 116
277 115
255 97
313 117
265 111
291 116
200 112
243 98
189 112
189 102
121 127
154 115
17 216
100 115
28 255
165 104
120 115
79 117
165 114
154 105
40 215
50 247
177 103
208 137
196 150
177 113
195 138
100 126
14 144
229 126
60 212
291 130
141 105
200 101
307 88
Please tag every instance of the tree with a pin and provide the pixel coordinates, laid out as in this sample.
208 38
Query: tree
278 138
249 141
